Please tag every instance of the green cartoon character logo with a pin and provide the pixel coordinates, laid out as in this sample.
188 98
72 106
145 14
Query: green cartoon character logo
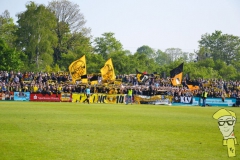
226 122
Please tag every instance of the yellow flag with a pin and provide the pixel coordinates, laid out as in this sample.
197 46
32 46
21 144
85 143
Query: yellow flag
192 85
78 68
107 71
84 81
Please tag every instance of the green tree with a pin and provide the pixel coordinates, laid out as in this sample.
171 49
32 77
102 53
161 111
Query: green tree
7 28
143 63
207 63
78 45
36 36
120 62
228 72
106 44
94 63
220 46
162 58
10 58
192 57
70 29
236 62
218 65
67 59
185 56
174 53
148 51
139 61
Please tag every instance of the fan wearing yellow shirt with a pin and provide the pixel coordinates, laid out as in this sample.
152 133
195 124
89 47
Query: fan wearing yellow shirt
35 88
59 89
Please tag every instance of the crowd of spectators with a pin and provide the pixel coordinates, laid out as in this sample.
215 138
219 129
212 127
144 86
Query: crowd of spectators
56 83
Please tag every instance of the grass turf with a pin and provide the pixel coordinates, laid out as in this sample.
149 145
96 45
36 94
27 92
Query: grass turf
48 131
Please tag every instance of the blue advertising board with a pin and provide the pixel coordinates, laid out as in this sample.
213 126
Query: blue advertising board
227 102
21 96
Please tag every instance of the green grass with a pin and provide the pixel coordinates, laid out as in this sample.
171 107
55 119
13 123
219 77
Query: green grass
67 131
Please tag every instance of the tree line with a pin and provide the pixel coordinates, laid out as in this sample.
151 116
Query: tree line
50 37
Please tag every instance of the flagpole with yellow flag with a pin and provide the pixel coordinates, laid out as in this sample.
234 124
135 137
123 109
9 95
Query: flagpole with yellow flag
176 75
78 68
107 72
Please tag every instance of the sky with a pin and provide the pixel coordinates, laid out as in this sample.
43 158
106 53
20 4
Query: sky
159 24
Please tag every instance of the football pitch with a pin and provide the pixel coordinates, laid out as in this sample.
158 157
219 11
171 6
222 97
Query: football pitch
76 131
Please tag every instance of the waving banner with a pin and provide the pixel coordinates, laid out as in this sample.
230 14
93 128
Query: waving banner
78 68
107 71
192 85
141 77
176 75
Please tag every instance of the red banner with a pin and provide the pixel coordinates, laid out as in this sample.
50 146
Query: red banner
7 96
45 97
